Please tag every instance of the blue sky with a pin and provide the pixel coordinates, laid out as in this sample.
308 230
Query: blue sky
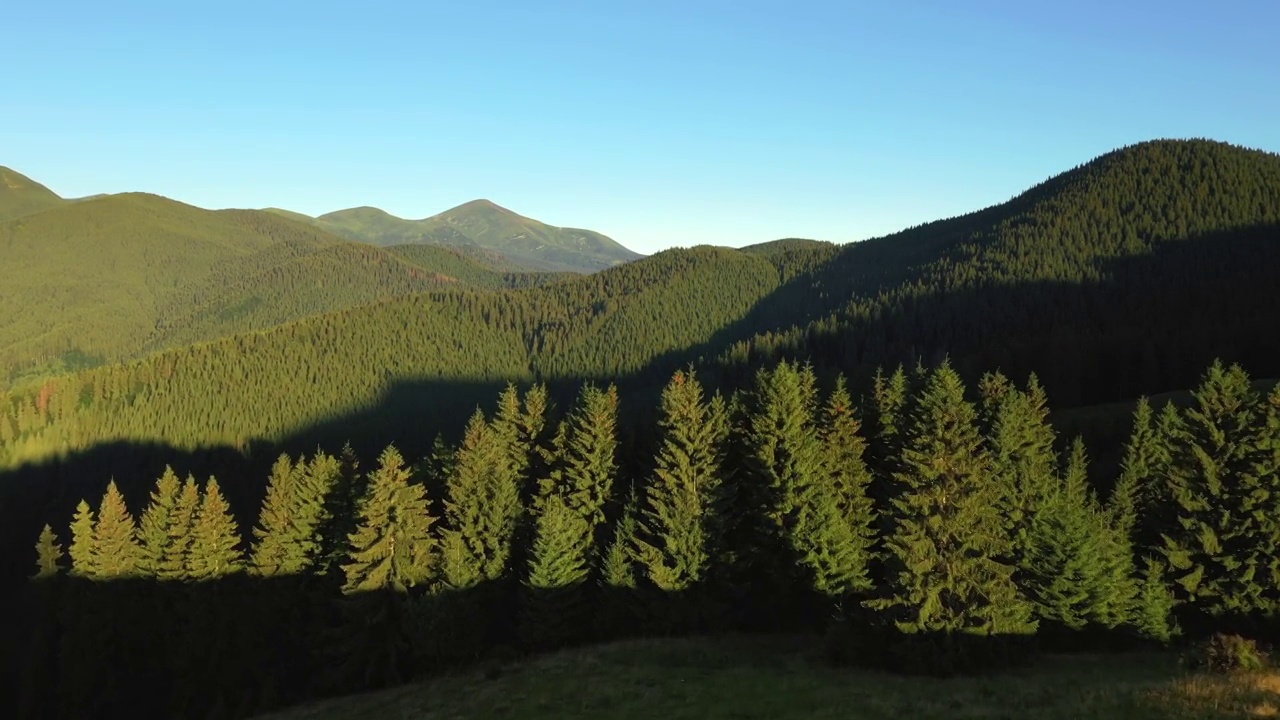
658 123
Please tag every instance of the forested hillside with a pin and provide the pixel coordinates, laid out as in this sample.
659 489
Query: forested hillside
108 278
1118 278
481 224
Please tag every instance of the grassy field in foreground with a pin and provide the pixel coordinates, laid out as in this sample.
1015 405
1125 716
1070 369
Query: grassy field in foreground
782 678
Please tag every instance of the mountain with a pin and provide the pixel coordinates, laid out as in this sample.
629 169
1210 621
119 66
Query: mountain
20 195
112 277
482 224
1127 275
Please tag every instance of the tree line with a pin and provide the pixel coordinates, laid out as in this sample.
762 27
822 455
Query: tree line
928 528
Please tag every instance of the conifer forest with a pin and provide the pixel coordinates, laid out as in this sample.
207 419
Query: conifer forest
1048 426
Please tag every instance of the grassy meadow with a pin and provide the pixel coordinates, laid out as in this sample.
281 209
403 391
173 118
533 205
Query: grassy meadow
786 677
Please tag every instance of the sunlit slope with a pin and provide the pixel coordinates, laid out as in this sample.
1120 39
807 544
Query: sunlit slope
1121 277
532 244
20 195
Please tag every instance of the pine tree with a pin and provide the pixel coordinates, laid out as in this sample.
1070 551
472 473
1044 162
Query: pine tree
84 558
787 465
48 555
554 609
181 527
482 509
1224 486
945 570
618 566
1144 459
215 538
153 527
851 535
1153 609
393 547
590 465
294 512
679 529
274 532
115 542
1020 441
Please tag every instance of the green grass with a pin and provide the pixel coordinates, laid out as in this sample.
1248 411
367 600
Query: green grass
783 678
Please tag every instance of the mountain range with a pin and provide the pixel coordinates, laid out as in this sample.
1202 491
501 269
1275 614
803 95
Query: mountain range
480 224
243 332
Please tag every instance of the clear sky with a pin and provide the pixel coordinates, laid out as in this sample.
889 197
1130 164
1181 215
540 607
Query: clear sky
658 123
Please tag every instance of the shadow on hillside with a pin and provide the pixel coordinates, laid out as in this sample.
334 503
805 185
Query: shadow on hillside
1153 324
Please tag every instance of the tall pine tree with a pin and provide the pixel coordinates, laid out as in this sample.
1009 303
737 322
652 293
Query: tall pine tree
215 538
679 528
154 526
115 541
48 555
393 547
1223 488
946 568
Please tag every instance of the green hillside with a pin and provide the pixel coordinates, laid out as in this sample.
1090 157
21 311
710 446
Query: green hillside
1125 276
482 224
474 266
109 278
20 195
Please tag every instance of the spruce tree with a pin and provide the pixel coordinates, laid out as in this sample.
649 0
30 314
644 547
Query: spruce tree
1020 442
554 609
115 542
586 467
679 530
481 510
850 544
1144 459
1224 487
215 538
48 555
174 561
1153 608
274 532
946 573
393 547
294 512
787 464
84 558
153 527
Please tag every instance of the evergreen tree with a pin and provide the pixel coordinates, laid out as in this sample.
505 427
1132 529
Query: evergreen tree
48 555
215 538
847 546
1020 441
393 547
1145 457
294 512
1224 487
946 573
115 542
274 532
679 530
1153 609
153 527
554 608
174 562
588 458
618 566
84 558
482 509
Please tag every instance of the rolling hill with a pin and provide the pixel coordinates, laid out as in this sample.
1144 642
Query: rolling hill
109 278
1127 275
481 224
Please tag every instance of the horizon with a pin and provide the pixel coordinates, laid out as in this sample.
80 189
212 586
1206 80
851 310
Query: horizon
723 124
